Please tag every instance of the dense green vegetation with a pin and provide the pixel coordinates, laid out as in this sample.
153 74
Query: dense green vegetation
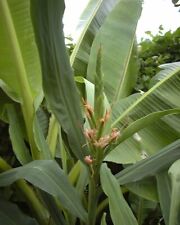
81 149
157 50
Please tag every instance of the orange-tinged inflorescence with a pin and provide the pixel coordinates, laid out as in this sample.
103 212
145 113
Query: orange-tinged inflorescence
94 135
88 109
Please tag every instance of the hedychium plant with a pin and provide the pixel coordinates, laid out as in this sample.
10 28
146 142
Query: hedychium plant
67 126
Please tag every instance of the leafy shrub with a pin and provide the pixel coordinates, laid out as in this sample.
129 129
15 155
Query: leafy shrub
153 52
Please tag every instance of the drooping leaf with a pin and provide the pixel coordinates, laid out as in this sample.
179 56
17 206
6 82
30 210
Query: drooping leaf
90 21
49 177
174 173
150 166
58 83
10 214
16 135
119 209
120 25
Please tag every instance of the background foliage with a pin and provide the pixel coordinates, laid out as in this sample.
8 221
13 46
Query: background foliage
157 50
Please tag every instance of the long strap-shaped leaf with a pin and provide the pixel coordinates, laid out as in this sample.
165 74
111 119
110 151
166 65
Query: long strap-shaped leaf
58 84
117 36
119 209
150 166
164 193
49 177
90 21
174 173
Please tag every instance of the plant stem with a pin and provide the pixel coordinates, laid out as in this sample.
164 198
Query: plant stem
93 193
24 87
53 135
92 201
32 199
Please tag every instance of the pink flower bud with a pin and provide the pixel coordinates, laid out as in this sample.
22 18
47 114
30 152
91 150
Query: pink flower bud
88 159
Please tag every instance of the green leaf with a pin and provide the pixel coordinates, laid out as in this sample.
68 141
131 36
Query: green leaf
99 88
162 96
40 140
145 189
145 121
89 23
174 173
10 214
17 136
49 177
58 83
119 209
121 26
125 153
166 69
164 192
55 213
150 166
19 67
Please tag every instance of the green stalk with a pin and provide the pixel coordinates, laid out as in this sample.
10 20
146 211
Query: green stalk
32 200
92 201
93 196
25 92
53 135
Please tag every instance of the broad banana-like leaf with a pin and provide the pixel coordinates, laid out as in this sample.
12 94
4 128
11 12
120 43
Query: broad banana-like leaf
165 70
10 214
117 37
119 209
161 97
127 152
164 193
58 83
150 166
174 173
49 177
144 122
16 135
20 73
145 189
89 23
